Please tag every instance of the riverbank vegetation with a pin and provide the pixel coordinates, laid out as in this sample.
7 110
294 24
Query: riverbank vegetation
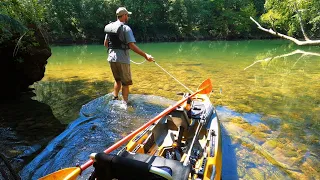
82 21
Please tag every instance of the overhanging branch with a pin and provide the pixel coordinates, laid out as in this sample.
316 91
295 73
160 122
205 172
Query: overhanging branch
298 42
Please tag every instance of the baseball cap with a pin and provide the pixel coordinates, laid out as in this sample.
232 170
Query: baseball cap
121 11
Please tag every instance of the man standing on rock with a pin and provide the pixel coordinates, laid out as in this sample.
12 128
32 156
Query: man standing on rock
119 40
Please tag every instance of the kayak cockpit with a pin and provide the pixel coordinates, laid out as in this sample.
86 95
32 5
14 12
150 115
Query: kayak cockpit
138 166
181 145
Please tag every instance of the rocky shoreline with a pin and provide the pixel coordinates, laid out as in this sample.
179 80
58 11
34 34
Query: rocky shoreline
26 127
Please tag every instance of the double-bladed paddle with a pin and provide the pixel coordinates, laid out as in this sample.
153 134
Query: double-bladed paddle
73 172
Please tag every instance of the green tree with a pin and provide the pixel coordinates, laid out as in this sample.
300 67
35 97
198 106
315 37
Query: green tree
282 15
158 20
149 19
226 19
17 16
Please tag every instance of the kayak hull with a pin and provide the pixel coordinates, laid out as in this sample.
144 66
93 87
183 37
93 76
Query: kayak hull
190 135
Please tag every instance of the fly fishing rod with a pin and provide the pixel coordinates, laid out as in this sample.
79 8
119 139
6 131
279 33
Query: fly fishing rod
201 122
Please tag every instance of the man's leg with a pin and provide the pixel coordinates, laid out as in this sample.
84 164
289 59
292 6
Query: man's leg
116 88
125 93
126 81
116 74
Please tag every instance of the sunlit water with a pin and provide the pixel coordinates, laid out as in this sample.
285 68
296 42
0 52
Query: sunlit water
268 99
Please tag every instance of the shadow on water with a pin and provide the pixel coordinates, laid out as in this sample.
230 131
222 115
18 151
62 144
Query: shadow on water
101 122
256 151
67 97
229 159
26 126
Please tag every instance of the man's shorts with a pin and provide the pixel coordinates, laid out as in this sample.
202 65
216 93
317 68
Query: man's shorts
121 72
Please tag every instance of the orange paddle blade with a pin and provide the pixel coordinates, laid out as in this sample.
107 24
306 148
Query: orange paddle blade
205 87
68 173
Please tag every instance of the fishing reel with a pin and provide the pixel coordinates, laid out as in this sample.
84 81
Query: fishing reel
195 156
174 153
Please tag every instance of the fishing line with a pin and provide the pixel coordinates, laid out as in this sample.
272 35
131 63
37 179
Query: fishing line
167 73
138 63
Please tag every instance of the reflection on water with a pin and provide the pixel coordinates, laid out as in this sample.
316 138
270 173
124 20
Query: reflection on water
285 92
266 61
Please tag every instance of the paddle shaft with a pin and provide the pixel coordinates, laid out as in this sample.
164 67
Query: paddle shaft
131 135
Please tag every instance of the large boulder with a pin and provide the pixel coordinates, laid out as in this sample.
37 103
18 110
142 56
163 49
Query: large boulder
23 61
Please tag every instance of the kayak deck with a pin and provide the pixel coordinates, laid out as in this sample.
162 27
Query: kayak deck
172 136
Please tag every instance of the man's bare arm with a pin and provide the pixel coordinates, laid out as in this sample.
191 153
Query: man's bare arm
137 50
106 43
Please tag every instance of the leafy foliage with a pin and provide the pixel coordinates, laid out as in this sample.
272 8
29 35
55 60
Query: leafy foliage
19 19
76 21
282 15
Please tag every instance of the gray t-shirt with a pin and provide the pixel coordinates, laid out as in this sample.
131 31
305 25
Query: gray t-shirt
120 55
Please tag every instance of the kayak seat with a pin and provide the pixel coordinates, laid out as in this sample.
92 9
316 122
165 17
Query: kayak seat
128 166
171 128
180 118
163 133
179 172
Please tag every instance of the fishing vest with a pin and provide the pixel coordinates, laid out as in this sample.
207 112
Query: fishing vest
114 29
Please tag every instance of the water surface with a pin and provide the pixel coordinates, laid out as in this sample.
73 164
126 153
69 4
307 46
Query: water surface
267 95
